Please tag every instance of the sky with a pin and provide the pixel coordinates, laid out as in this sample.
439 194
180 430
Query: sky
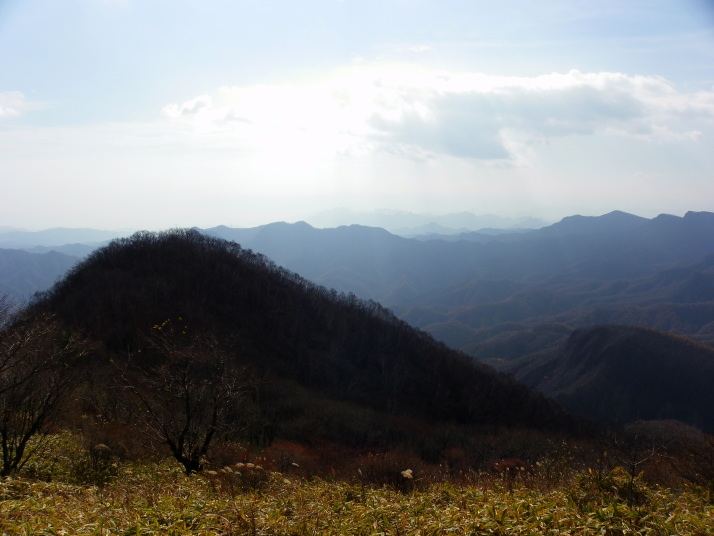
152 114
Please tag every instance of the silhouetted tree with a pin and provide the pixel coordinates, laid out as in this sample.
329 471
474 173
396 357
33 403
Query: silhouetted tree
189 391
36 373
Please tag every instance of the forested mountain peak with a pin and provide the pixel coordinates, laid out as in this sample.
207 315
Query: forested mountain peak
337 348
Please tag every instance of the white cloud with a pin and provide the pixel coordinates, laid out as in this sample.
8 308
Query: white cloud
188 108
474 115
427 114
12 104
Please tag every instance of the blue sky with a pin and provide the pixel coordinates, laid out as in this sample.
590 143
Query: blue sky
153 114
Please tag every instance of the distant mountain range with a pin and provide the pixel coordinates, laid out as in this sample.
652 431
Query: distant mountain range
31 261
475 291
530 303
23 273
410 224
616 268
11 238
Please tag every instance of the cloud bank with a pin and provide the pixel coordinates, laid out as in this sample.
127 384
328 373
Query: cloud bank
423 115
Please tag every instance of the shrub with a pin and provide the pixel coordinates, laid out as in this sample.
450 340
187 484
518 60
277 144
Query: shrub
592 490
64 458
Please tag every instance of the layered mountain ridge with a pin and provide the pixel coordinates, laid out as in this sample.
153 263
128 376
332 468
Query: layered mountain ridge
580 271
517 300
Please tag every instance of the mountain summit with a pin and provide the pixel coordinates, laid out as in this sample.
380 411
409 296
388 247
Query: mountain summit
327 359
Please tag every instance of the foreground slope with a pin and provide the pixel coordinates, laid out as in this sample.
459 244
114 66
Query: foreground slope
155 500
622 373
317 350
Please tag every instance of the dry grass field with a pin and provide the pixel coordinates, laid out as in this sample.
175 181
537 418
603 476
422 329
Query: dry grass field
56 496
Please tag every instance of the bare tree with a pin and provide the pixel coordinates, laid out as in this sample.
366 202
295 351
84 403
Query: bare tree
189 391
36 373
633 449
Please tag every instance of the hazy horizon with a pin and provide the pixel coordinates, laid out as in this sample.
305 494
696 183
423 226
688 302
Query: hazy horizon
394 221
119 114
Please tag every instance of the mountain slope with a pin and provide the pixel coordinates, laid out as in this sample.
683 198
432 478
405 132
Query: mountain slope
22 273
620 374
677 300
614 246
334 347
582 271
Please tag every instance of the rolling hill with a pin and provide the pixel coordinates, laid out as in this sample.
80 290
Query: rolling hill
334 367
620 374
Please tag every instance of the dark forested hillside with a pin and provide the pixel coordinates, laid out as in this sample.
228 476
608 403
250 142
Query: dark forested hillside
512 298
620 374
316 350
